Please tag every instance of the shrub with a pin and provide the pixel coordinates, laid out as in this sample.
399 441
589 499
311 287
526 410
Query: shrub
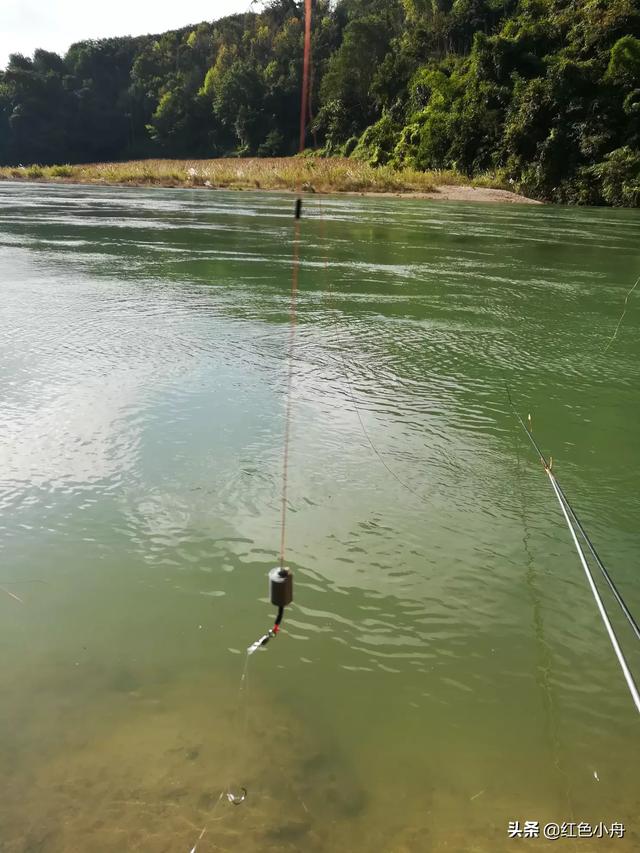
624 64
376 144
61 171
349 146
273 145
619 177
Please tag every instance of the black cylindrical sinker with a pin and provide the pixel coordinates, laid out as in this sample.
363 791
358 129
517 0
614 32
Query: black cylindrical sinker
280 587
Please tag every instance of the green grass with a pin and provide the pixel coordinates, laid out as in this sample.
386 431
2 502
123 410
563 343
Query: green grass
61 171
310 174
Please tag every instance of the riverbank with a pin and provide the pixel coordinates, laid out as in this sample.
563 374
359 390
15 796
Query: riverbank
311 174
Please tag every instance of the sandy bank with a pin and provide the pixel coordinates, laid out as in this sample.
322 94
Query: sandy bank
443 192
277 174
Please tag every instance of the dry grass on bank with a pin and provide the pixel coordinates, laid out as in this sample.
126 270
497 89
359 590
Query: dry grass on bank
311 174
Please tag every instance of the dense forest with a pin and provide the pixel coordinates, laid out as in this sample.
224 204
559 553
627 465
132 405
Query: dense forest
544 92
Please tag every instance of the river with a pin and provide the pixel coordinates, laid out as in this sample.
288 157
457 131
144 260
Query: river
443 669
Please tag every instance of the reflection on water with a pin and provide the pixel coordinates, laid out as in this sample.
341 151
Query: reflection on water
443 670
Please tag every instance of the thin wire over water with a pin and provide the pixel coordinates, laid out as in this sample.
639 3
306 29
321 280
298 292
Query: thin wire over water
566 509
624 312
328 287
232 796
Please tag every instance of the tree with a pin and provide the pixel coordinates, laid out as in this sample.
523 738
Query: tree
548 91
37 106
348 104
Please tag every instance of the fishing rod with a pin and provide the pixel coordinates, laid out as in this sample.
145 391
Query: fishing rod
569 514
548 466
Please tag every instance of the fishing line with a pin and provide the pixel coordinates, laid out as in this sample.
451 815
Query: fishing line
366 434
623 606
206 826
545 661
330 293
12 594
242 702
626 304
5 584
612 634
565 507
280 578
547 466
345 369
233 796
295 280
289 393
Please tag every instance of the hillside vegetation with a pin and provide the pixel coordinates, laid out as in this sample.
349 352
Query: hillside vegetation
543 93
310 174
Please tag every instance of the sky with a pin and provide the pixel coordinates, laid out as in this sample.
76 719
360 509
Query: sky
55 24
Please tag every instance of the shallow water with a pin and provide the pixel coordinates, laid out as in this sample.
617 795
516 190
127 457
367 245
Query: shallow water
443 669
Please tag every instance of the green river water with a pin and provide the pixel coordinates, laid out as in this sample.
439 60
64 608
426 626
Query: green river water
443 669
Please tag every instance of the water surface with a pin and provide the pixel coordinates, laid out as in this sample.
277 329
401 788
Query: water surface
443 669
